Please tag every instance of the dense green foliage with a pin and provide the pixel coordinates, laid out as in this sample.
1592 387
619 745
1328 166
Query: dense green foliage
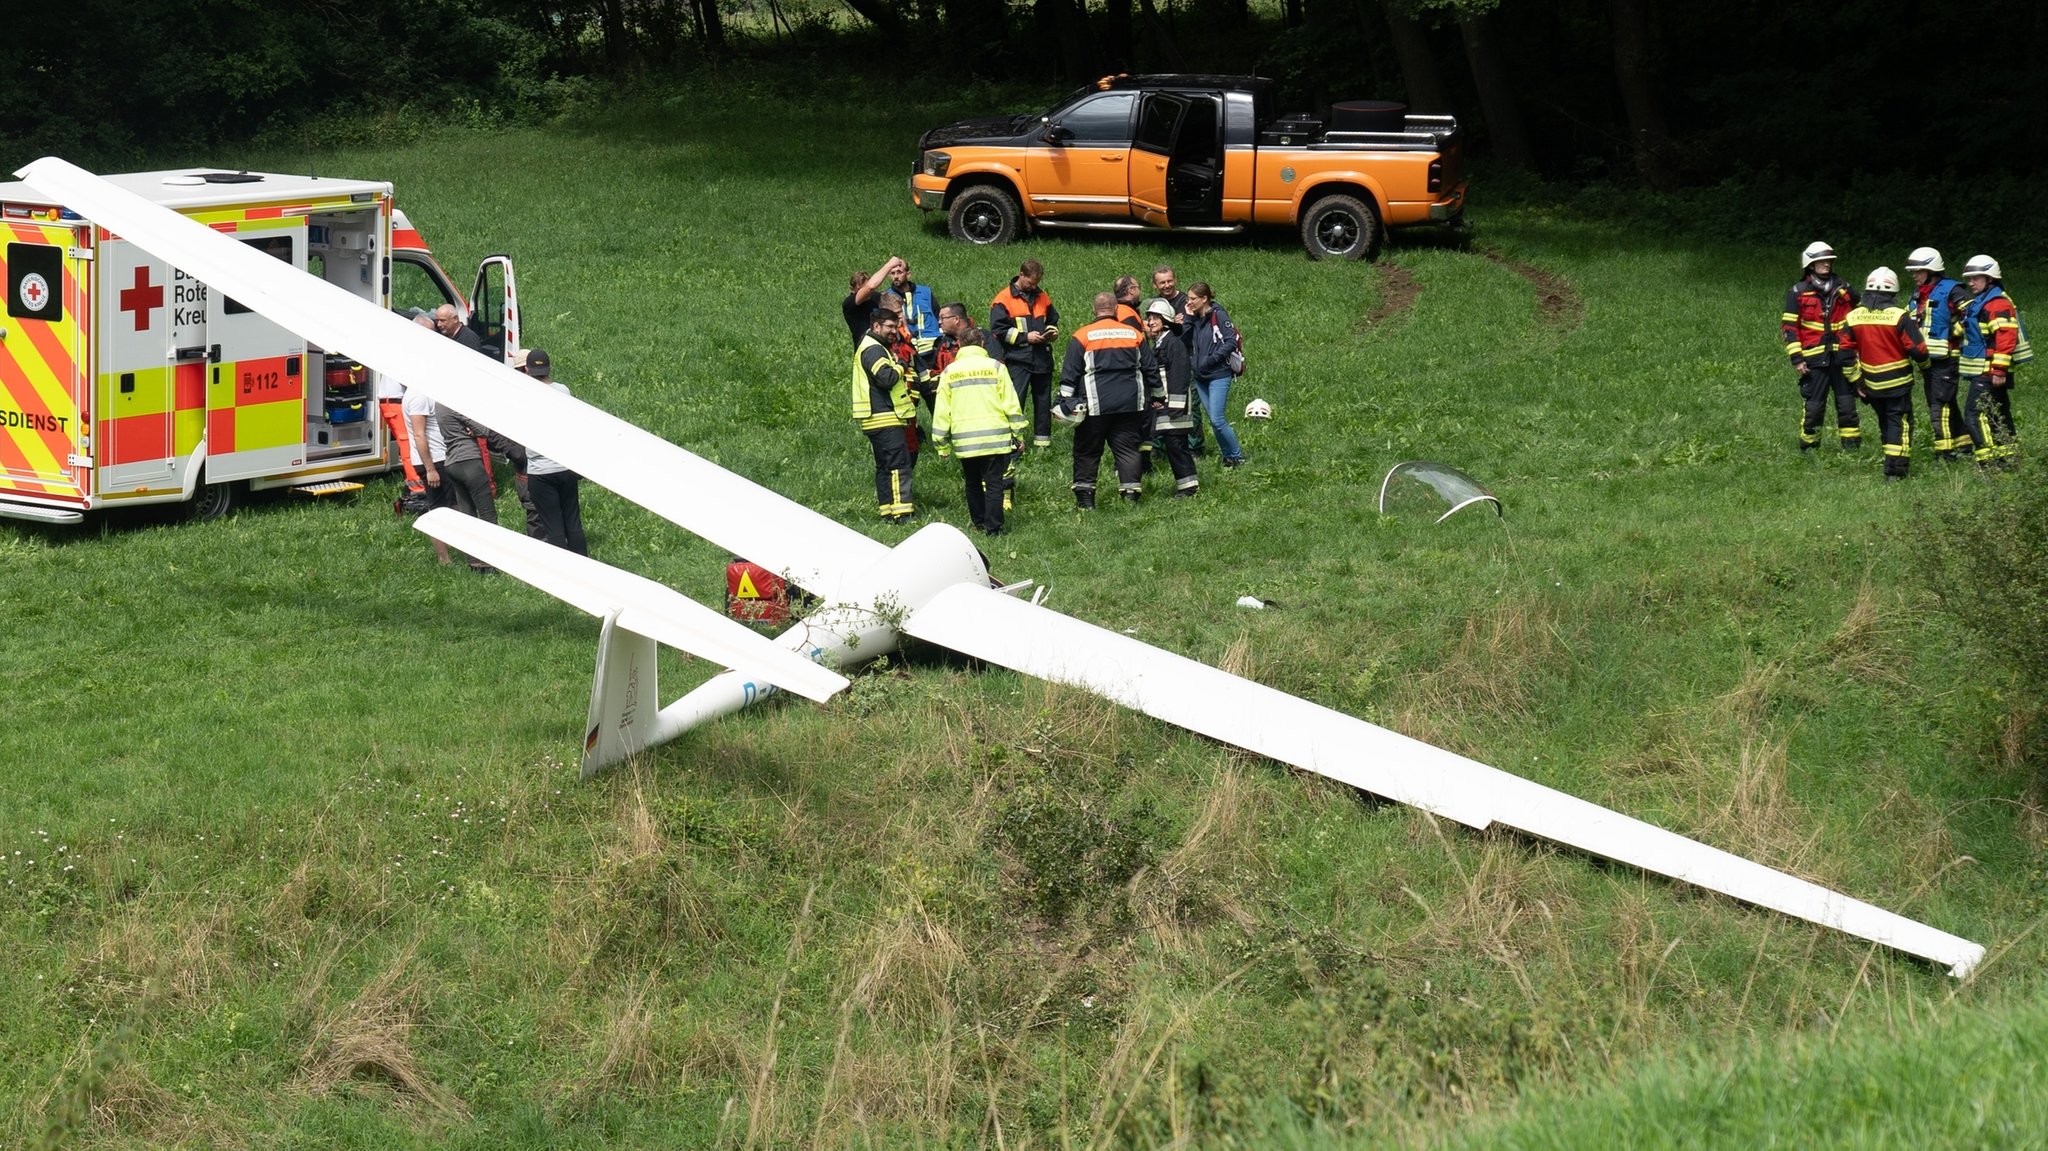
1804 98
1991 572
294 851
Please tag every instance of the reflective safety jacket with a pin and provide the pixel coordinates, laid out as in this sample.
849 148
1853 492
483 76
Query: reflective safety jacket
976 413
881 388
1884 339
1937 307
920 317
1993 340
1013 315
1178 415
1109 367
1812 322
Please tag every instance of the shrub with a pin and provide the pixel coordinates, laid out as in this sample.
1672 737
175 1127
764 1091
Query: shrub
1990 559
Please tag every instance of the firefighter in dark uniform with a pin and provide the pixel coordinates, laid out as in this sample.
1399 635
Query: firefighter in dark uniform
1107 379
1937 307
1022 324
1172 414
1125 289
1815 309
883 407
1994 344
1884 338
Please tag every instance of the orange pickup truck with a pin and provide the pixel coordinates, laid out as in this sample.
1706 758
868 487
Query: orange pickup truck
1194 154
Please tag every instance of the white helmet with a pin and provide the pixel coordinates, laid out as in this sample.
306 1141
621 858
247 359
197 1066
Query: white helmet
1258 410
1882 280
1924 260
1818 250
1983 266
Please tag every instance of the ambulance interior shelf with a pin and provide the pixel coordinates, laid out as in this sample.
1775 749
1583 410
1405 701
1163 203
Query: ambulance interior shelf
341 248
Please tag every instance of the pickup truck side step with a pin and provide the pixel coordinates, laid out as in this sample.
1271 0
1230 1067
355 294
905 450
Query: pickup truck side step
1123 226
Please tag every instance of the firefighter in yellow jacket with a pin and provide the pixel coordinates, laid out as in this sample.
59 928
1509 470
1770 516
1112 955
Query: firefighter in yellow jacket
976 416
884 408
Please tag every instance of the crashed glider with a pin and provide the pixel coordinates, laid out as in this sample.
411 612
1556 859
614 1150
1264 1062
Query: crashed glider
933 586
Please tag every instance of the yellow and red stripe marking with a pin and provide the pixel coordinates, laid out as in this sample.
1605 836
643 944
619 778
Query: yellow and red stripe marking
38 367
253 404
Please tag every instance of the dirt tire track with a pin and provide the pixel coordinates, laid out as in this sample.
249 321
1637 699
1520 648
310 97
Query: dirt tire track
1398 289
1560 308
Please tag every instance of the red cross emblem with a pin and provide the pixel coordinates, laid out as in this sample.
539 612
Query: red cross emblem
142 299
34 292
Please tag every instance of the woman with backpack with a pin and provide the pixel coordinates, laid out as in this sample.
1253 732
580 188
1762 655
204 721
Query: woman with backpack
1217 360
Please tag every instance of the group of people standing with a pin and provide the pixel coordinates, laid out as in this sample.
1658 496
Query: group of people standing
1141 374
1965 336
447 456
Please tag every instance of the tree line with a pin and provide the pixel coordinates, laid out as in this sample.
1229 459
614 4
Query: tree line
1613 90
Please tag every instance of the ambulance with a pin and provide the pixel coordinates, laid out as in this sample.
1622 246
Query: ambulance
125 382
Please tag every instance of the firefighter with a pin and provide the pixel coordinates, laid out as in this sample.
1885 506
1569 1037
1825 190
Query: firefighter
1106 382
1883 336
883 408
1166 286
920 313
1172 414
1022 325
953 323
1993 345
1937 308
1815 308
976 417
1127 296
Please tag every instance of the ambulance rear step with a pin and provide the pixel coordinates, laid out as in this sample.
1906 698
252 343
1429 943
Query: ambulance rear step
328 488
40 514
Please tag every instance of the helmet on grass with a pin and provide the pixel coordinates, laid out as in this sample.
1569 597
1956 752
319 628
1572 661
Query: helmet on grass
1258 410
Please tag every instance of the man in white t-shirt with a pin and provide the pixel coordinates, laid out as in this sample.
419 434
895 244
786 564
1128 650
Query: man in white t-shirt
418 410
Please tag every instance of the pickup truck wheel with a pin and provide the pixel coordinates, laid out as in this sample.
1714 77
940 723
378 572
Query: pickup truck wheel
984 214
1340 228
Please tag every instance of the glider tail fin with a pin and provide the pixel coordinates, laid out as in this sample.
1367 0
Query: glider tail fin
625 697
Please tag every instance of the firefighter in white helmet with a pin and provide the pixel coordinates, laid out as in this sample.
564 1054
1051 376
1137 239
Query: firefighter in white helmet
1815 310
1936 305
1994 344
1886 341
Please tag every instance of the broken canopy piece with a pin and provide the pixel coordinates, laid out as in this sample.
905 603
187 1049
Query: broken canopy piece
1458 489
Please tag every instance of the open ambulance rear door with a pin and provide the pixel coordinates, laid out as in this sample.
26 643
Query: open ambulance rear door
496 317
45 399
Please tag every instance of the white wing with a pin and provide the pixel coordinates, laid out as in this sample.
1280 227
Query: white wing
643 606
1018 635
730 511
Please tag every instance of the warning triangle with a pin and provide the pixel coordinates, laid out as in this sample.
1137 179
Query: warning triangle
746 588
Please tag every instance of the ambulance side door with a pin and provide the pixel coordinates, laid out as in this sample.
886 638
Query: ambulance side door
145 308
256 374
495 317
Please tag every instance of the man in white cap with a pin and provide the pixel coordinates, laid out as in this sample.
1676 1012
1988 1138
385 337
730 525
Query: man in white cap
1936 306
1994 344
1816 308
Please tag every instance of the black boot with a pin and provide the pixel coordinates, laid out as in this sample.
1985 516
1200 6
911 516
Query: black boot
1132 497
1085 500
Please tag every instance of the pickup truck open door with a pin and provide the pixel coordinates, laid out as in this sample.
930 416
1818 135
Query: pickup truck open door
1177 160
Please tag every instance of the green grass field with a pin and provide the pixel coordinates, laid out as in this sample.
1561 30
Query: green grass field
295 852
